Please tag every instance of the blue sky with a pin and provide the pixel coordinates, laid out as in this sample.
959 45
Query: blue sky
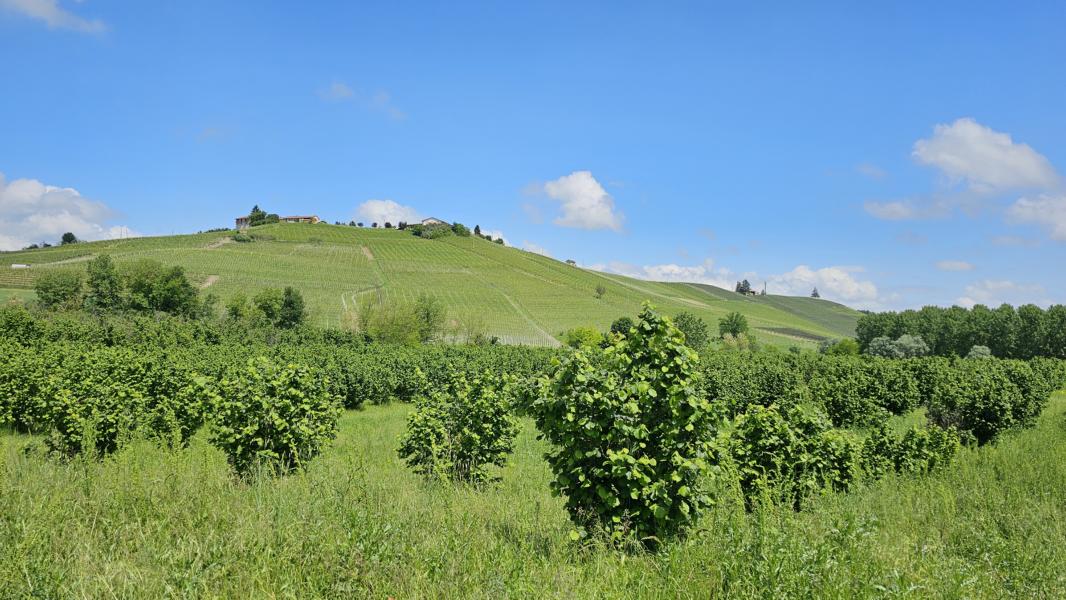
893 154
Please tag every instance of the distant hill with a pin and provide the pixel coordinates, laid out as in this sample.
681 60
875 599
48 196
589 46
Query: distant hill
519 296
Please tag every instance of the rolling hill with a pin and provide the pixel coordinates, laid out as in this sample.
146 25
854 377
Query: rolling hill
521 297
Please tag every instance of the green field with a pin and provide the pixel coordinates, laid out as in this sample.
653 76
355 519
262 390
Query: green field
518 296
150 523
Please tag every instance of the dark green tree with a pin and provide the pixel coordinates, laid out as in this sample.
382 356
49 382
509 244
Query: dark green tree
105 285
292 312
68 238
733 324
622 325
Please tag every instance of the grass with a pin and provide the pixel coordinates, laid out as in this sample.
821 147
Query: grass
149 523
516 295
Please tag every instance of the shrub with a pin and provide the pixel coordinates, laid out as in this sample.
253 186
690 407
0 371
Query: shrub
979 352
582 337
790 454
58 289
844 347
279 417
456 434
841 387
986 398
912 346
695 329
884 347
292 312
622 325
631 436
460 230
918 451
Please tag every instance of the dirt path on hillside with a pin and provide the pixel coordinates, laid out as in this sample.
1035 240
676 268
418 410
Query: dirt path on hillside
367 253
219 243
210 281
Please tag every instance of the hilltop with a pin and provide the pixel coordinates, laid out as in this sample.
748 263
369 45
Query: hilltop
521 297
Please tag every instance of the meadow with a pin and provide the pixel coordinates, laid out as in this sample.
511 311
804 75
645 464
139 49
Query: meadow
149 523
517 296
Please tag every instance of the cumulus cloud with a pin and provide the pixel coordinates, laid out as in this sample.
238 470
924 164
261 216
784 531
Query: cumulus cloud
833 283
53 15
386 211
1045 210
529 246
992 292
31 212
986 160
701 273
495 234
584 202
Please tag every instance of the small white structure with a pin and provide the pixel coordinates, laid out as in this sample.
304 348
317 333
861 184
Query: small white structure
19 266
433 221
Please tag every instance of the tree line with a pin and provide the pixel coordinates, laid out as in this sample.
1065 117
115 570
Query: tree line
1024 332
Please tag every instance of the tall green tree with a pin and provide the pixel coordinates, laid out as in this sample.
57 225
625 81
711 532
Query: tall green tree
105 285
292 312
733 324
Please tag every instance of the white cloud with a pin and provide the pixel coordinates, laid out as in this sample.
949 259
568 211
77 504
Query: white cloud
336 92
386 211
833 283
32 212
992 292
53 15
495 234
701 273
585 204
872 171
891 211
379 101
529 246
954 265
1048 211
987 160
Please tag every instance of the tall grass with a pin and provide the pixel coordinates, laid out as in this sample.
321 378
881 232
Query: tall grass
151 523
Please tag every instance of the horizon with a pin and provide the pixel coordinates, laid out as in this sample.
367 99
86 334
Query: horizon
893 156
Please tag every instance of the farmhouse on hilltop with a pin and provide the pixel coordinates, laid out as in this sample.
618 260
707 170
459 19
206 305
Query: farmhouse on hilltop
243 222
433 221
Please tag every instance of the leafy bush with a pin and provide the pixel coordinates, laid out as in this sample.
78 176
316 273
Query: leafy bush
582 337
735 381
631 436
279 417
460 230
59 289
884 347
918 451
458 433
987 397
695 329
790 454
622 325
841 386
844 347
979 352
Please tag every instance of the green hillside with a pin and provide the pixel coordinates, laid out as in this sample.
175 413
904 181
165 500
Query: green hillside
519 296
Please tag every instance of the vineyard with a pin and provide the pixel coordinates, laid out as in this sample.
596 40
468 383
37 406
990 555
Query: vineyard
517 296
157 456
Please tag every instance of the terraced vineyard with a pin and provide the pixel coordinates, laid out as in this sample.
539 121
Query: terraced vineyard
518 296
